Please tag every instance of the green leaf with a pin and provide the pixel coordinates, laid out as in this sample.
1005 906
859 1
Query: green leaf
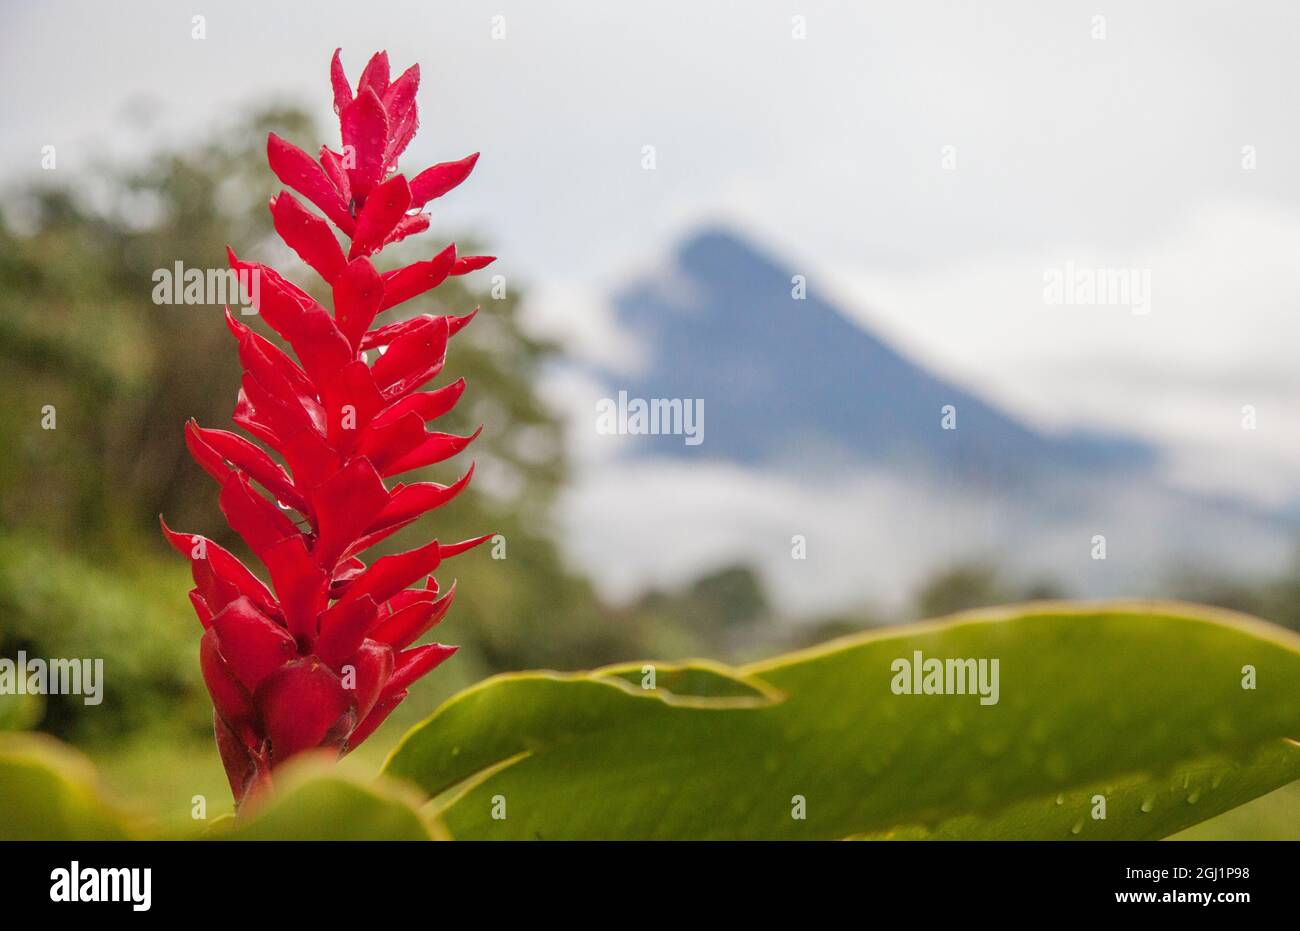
314 801
699 679
1134 698
1136 807
49 792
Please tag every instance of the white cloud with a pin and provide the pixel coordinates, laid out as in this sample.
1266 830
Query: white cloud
1221 334
873 538
579 316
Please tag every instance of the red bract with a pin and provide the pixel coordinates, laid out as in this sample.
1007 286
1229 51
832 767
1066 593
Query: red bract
323 654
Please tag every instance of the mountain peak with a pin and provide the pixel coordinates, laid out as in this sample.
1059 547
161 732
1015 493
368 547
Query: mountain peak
718 252
783 373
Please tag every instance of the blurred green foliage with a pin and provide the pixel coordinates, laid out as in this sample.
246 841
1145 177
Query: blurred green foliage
720 613
58 603
975 585
1276 599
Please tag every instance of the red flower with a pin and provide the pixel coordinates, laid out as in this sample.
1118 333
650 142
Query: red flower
321 656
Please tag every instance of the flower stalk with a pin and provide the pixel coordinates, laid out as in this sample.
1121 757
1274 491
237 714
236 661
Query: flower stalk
321 655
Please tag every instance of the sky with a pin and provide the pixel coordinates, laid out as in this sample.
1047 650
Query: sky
925 163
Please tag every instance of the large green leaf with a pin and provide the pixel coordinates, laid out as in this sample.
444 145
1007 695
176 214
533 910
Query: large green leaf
313 801
50 792
1136 807
1141 702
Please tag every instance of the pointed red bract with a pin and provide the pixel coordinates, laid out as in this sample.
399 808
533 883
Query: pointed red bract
342 90
364 128
409 225
308 235
375 74
428 404
304 705
414 663
295 168
346 504
358 295
310 660
384 209
472 263
406 283
434 182
403 114
251 644
410 623
331 163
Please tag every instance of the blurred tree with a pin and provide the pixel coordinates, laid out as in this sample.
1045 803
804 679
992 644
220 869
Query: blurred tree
977 585
825 629
1276 599
959 589
715 612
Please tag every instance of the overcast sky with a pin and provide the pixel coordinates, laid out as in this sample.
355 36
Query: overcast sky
1122 151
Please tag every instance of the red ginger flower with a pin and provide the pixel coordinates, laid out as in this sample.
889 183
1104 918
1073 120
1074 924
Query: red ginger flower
320 658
